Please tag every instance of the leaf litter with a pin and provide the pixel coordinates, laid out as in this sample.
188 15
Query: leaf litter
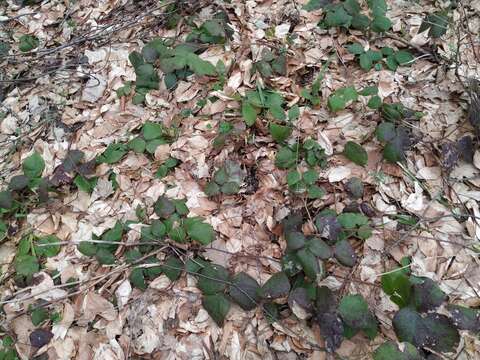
379 160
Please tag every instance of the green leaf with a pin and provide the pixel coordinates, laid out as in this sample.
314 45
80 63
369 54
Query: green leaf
87 248
360 22
378 7
244 291
137 278
442 333
310 176
344 253
26 265
199 66
200 231
152 130
336 103
427 295
293 177
385 131
172 268
436 23
136 59
375 102
6 200
319 248
315 4
355 48
39 315
33 166
42 247
397 286
279 132
293 113
249 113
112 235
354 187
353 310
285 158
390 351
381 24
337 17
213 279
310 264
404 57
217 307
212 189
366 62
355 153
277 112
105 257
364 232
28 42
393 151
177 234
84 184
352 220
164 207
230 188
113 153
295 240
277 286
465 318
18 182
138 145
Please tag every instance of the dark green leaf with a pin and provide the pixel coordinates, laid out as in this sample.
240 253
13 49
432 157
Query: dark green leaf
336 103
277 112
199 66
18 182
355 48
285 158
378 7
354 187
352 220
217 307
33 166
381 24
316 4
366 62
397 286
293 177
290 264
84 184
315 192
353 310
375 102
212 189
355 153
28 42
385 131
293 113
213 279
200 231
230 188
132 255
390 351
465 318
87 248
152 131
319 248
277 286
177 234
113 153
391 62
158 229
442 333
280 132
338 17
137 279
164 207
105 257
6 199
39 315
43 247
244 291
427 295
345 253
360 22
26 265
310 264
404 57
172 268
295 240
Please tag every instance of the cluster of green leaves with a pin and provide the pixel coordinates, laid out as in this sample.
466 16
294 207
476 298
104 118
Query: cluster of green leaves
292 156
24 189
343 97
393 132
226 180
372 58
176 62
75 169
348 14
8 352
152 135
28 43
104 251
271 63
260 102
416 322
31 251
436 24
214 31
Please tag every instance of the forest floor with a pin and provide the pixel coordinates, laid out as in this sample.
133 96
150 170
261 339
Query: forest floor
280 124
